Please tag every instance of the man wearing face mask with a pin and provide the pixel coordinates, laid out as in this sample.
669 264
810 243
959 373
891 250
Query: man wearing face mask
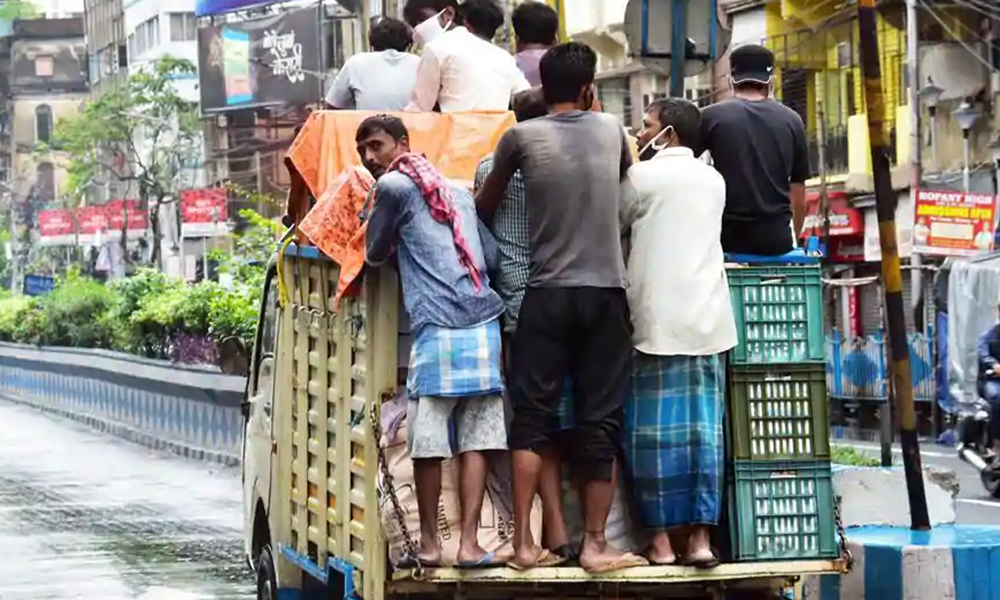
759 146
682 322
454 371
574 316
461 70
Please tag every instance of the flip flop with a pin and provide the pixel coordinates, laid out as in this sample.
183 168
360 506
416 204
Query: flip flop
626 561
663 563
489 560
703 564
545 559
567 552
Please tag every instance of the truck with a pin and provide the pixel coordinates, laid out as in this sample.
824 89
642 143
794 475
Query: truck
320 370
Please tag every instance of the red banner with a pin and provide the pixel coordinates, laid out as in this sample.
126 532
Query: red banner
953 223
91 219
850 249
844 218
55 223
117 210
204 206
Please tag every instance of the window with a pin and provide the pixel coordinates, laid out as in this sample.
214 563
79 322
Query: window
147 37
44 66
183 27
45 185
43 123
267 336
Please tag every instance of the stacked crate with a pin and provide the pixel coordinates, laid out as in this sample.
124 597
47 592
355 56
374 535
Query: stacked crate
779 489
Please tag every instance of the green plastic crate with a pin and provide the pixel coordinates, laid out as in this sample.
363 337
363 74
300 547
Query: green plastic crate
782 511
779 412
779 314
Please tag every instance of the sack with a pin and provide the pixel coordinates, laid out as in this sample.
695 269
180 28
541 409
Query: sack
622 530
496 525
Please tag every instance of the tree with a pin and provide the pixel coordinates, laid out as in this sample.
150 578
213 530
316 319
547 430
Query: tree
12 10
139 133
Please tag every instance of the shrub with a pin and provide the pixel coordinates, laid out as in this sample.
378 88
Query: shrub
13 311
75 313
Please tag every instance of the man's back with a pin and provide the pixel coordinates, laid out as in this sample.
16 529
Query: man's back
463 72
375 81
574 186
760 149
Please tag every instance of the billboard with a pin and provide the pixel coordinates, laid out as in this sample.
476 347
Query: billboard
204 212
268 61
950 223
56 226
205 8
88 223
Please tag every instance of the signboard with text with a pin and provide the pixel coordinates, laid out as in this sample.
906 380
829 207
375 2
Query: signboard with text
56 226
261 62
844 219
948 223
204 212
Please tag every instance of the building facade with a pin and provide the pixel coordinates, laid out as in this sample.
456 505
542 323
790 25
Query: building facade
104 25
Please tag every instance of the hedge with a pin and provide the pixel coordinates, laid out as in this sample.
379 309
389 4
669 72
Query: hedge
148 314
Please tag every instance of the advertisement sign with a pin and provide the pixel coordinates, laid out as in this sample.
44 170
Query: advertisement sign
91 220
56 226
854 310
204 212
844 219
38 285
118 210
904 229
204 8
847 249
261 62
953 223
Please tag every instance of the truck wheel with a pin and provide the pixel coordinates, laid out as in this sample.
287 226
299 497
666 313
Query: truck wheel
267 582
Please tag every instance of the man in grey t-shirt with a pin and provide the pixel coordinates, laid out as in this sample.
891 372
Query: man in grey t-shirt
574 315
382 79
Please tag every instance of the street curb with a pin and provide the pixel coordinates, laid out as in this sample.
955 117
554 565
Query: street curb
130 434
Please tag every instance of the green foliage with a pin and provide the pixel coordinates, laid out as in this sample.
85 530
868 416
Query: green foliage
13 311
12 10
75 314
847 455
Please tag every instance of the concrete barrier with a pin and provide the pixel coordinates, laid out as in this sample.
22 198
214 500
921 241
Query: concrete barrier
189 410
950 562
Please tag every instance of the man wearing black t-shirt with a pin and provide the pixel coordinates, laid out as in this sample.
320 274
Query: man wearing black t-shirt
759 146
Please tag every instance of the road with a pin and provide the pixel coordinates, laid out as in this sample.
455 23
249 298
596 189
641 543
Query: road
973 506
90 517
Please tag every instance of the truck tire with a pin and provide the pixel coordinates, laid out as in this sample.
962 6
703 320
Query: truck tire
267 581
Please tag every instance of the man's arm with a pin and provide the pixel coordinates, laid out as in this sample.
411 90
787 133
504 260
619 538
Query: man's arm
340 95
381 235
428 85
799 175
506 161
626 158
986 359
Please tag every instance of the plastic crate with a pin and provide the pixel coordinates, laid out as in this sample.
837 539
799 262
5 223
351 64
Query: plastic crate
779 412
779 313
782 511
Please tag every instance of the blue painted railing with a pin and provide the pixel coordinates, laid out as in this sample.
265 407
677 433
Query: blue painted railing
856 367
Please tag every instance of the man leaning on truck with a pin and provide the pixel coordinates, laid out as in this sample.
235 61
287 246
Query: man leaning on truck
454 371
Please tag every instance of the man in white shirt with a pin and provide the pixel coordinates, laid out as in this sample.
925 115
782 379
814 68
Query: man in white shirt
461 70
682 324
381 79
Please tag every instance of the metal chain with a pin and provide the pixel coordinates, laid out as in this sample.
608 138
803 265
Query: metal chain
845 551
390 489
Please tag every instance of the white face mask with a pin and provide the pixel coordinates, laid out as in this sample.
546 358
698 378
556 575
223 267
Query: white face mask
652 143
429 30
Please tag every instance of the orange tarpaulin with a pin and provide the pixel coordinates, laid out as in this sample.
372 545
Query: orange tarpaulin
325 148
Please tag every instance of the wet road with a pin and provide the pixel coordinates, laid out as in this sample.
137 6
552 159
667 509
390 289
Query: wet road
84 516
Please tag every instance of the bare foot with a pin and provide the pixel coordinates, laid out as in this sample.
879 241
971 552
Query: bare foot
661 552
597 556
527 557
429 553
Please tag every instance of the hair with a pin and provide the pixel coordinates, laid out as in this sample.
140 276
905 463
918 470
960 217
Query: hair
390 34
529 104
535 23
683 116
411 12
483 17
393 126
753 86
566 69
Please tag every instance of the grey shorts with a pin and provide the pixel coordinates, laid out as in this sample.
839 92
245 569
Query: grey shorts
479 425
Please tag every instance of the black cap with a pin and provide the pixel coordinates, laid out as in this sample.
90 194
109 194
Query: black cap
751 63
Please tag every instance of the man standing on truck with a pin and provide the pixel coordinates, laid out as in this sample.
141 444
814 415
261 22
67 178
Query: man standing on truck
510 228
454 371
574 316
759 146
462 70
381 79
683 322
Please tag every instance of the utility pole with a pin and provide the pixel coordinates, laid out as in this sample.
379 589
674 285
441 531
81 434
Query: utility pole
560 7
892 279
678 46
916 168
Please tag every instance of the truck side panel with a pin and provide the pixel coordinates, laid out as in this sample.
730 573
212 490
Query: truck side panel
327 460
